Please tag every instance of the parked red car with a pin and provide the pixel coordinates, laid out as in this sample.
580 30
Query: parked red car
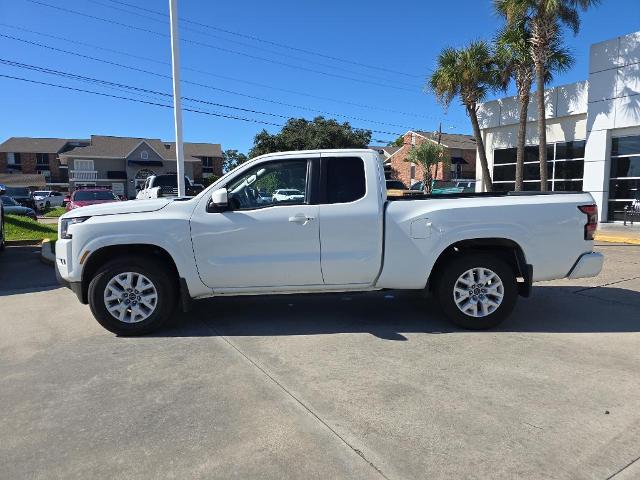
90 196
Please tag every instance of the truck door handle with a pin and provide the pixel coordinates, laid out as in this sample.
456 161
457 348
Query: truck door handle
301 219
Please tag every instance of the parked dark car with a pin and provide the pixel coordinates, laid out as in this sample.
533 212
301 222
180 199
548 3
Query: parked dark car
11 207
2 190
22 195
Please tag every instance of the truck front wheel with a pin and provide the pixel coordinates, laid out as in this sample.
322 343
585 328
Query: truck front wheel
132 295
477 290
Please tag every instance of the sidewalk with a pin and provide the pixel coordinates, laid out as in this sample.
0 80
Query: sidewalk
618 233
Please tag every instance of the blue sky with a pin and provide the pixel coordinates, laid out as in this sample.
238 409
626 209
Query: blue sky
390 37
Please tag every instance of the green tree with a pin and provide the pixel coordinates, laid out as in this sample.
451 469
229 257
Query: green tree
545 20
302 134
231 159
428 155
513 55
469 73
398 142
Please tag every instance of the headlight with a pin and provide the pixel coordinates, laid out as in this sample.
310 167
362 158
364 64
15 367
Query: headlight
65 223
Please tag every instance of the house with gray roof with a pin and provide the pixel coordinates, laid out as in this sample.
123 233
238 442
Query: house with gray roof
119 163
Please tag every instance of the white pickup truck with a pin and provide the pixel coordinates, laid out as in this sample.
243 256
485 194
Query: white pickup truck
134 262
166 185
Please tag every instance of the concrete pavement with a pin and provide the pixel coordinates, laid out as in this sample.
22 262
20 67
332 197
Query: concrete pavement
339 386
619 233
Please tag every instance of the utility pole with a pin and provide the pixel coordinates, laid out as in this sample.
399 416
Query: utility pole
177 104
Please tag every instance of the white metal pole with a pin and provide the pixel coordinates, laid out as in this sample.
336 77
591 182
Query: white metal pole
177 104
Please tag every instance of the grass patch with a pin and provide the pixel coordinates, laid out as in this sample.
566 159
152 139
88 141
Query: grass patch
54 212
23 228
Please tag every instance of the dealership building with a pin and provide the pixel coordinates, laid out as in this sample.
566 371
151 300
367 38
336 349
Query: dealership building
593 132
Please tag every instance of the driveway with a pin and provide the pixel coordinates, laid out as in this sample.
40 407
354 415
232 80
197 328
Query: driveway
340 386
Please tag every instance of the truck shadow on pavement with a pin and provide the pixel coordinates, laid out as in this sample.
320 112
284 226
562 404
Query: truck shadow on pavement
389 315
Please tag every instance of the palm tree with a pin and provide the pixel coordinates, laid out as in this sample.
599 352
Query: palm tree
428 154
513 55
468 73
545 19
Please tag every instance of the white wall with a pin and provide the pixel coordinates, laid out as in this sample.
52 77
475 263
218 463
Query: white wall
613 104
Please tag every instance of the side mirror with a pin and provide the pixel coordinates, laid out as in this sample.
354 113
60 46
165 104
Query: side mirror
219 200
3 189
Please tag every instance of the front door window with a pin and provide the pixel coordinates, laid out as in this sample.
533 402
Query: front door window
268 184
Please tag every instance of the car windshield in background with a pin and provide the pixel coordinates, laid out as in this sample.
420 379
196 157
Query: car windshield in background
86 196
8 201
168 181
41 194
17 192
290 192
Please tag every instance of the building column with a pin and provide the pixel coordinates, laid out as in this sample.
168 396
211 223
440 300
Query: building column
596 169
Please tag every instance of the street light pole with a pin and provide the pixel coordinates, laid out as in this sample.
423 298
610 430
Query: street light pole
177 106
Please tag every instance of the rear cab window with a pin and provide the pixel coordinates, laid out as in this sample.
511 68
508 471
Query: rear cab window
345 179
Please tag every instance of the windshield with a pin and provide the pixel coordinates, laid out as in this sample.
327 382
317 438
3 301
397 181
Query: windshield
17 192
41 193
168 181
8 201
290 192
87 196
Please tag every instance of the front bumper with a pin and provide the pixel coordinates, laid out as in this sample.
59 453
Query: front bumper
75 287
588 265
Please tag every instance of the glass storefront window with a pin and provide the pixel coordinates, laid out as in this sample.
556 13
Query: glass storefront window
625 167
565 167
625 146
624 176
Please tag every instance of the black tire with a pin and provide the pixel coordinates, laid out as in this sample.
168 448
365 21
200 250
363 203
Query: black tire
166 288
47 205
455 268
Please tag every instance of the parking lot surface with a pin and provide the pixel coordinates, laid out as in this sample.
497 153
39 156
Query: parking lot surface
374 385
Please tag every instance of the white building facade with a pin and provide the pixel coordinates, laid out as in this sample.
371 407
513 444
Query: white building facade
593 132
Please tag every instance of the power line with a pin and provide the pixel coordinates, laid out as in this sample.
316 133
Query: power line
262 40
163 21
217 75
223 49
215 114
157 104
164 76
145 90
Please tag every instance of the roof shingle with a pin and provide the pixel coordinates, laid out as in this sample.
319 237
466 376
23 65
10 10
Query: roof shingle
34 145
452 140
120 147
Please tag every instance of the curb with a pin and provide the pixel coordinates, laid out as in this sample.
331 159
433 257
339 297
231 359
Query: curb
46 253
603 237
22 243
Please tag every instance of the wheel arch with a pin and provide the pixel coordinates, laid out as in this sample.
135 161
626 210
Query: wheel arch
506 249
102 255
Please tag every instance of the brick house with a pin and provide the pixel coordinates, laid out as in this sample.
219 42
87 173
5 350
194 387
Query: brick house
120 163
29 156
460 149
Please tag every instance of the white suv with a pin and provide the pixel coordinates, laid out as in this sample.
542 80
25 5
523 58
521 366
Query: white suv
288 195
47 199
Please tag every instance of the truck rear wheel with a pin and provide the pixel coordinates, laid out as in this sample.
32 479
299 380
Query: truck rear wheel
477 291
132 296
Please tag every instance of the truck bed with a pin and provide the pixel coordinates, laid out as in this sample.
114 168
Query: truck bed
548 227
